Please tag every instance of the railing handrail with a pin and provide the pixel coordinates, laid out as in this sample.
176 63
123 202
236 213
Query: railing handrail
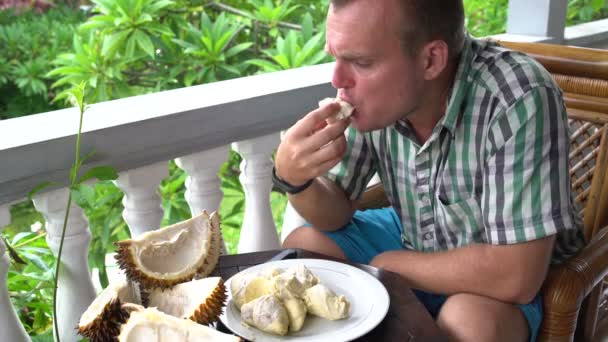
141 130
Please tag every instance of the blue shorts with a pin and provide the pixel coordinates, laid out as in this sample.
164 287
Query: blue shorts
372 232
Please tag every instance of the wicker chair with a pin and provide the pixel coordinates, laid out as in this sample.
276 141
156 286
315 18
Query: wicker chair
572 291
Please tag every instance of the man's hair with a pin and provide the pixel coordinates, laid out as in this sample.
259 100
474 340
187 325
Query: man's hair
427 20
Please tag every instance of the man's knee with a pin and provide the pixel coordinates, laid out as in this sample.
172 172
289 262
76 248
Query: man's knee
312 239
466 317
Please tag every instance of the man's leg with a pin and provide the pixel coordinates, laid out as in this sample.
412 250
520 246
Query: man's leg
467 317
368 234
313 240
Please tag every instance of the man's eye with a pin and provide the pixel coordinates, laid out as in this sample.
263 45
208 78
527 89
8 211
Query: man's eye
363 63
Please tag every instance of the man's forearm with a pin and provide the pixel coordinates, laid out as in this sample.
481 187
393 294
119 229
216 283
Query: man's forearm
323 204
511 274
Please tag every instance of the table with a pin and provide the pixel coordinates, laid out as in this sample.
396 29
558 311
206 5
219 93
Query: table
407 319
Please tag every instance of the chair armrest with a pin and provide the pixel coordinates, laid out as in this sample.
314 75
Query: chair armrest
568 284
374 197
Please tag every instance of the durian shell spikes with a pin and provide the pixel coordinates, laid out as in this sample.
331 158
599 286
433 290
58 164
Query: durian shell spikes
102 320
172 255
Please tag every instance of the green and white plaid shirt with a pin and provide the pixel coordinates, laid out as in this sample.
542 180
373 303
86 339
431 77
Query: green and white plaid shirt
495 169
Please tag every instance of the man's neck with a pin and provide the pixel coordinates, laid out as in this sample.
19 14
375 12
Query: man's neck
434 105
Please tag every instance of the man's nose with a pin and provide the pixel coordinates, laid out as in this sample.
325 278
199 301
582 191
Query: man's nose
342 77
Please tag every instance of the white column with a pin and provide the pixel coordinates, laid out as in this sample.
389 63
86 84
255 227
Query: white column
143 205
203 186
10 326
258 231
75 289
543 18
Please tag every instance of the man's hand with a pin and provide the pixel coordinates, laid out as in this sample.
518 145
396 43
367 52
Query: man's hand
312 146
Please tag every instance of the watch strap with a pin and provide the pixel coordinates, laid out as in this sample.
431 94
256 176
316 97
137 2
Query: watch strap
287 187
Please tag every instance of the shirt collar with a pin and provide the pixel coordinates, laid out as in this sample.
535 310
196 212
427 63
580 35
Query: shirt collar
459 88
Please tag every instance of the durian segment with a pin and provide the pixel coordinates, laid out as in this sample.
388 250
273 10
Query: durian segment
248 287
172 255
323 302
346 109
102 319
266 313
151 325
286 286
296 311
304 275
199 300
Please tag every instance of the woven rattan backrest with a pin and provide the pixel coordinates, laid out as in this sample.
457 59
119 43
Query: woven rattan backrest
582 74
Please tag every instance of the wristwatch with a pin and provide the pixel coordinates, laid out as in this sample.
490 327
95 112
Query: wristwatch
288 188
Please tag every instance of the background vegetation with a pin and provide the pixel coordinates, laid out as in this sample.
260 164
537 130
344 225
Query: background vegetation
122 48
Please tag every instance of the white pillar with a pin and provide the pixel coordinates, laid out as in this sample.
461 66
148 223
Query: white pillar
10 326
258 231
143 205
203 186
543 18
75 289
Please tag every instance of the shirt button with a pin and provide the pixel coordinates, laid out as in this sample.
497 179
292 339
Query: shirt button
427 236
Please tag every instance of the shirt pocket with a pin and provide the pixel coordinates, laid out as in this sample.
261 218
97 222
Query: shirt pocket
460 223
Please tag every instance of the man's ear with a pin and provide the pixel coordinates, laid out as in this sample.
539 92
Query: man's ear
435 58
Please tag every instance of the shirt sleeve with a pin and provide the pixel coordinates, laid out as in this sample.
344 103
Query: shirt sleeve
357 166
526 186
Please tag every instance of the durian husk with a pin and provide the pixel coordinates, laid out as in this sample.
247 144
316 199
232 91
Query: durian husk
199 300
151 325
108 312
170 240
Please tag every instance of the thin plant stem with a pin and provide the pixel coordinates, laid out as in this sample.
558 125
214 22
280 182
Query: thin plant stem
65 220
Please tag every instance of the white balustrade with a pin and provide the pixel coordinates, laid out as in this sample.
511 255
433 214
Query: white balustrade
75 289
258 231
143 206
10 326
203 186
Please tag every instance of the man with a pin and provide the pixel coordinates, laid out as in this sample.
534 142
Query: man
471 144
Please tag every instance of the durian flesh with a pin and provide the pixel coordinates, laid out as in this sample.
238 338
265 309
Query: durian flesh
102 319
172 255
199 300
323 302
266 313
151 325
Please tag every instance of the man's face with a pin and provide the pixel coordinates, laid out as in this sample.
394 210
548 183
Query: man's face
373 72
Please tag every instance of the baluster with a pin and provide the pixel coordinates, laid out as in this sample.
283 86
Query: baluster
203 186
75 289
143 206
258 231
10 326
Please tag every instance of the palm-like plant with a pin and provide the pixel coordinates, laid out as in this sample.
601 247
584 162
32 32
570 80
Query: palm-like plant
211 44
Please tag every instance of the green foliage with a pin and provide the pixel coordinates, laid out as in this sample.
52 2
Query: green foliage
29 42
582 11
295 50
484 18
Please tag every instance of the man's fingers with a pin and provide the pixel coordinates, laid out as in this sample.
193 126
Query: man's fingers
309 124
326 135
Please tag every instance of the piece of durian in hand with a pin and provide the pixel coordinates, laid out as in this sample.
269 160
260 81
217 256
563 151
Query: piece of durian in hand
266 313
296 311
199 300
172 255
323 302
247 287
102 319
346 109
151 325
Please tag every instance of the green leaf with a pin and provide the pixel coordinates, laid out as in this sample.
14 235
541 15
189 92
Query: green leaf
39 188
12 253
112 43
84 195
235 50
102 173
145 43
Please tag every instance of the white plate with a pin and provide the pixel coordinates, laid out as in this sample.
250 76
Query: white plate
368 297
